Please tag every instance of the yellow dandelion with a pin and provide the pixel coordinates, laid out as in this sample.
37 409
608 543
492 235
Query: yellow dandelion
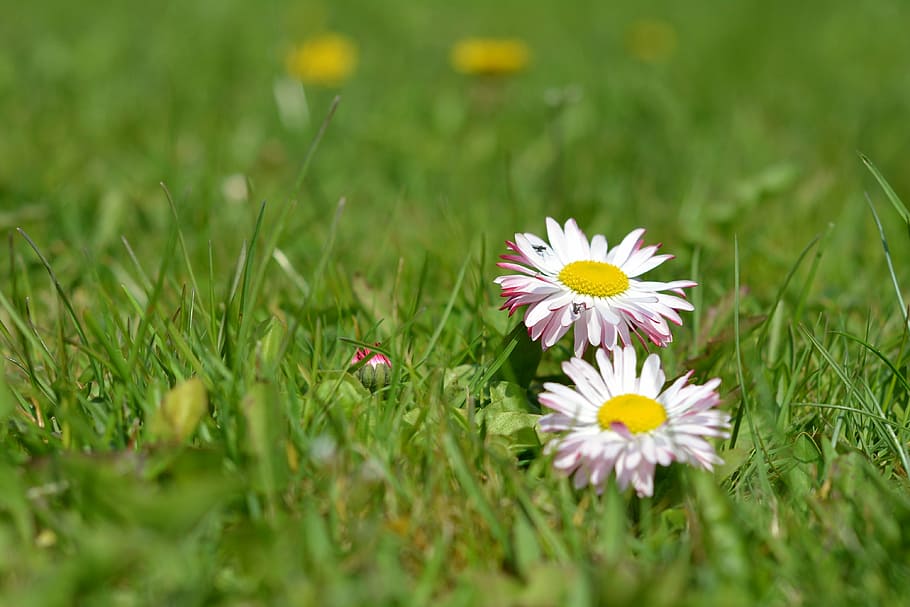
326 60
490 56
651 40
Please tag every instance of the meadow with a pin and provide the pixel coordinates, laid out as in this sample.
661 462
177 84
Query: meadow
196 244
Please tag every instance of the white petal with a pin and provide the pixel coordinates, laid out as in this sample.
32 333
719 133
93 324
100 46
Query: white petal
625 370
620 254
593 329
538 312
581 338
639 263
557 240
606 372
554 330
652 377
599 248
576 242
643 479
607 312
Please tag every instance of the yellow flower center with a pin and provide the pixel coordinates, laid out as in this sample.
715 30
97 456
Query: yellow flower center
595 278
636 412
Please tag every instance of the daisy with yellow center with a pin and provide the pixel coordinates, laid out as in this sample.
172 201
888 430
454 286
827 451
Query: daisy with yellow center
490 56
620 422
326 60
570 281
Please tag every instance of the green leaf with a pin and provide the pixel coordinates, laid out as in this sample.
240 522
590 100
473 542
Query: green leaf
457 383
805 450
341 389
521 366
458 377
269 348
507 396
13 503
7 403
507 416
497 320
508 423
267 434
527 550
733 459
181 411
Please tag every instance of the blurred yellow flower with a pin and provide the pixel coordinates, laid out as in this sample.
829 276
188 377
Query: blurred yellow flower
327 60
651 40
490 56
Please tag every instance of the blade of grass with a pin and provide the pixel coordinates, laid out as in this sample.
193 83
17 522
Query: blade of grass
854 410
472 488
892 196
740 373
65 300
301 175
180 239
810 278
248 297
456 289
868 400
282 222
698 298
783 288
146 318
317 276
887 250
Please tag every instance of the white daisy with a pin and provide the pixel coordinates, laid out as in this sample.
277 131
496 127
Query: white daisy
570 281
619 421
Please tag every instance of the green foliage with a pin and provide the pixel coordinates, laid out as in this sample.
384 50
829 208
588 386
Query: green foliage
180 412
179 419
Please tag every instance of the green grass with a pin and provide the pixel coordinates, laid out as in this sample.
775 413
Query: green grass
179 421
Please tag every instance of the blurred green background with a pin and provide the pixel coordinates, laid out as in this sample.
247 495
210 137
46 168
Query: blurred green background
750 124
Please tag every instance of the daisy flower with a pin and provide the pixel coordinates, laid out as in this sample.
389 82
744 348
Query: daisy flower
618 421
570 281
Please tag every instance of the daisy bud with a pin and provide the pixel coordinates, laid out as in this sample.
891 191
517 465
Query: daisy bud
376 371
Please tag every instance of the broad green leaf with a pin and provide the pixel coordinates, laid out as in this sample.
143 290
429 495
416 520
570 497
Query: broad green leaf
733 459
510 422
496 319
181 411
520 428
7 403
341 389
458 377
507 396
521 366
266 432
269 347
527 549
